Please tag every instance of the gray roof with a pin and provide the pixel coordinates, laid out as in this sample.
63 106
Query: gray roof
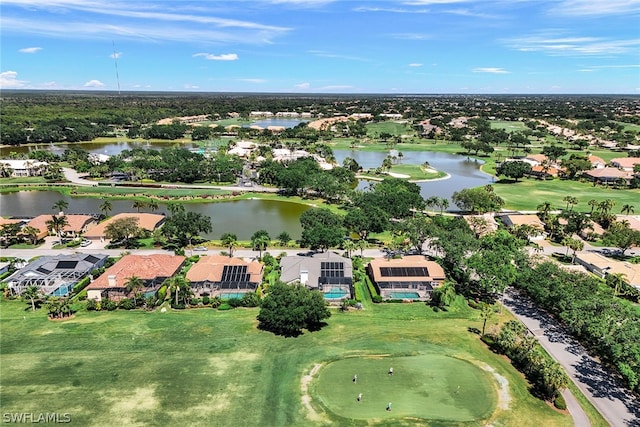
293 266
49 272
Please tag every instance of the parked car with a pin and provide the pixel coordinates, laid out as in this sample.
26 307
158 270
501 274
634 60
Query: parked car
201 248
85 243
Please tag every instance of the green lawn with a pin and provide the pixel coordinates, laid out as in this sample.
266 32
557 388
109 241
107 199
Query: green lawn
508 126
529 193
207 367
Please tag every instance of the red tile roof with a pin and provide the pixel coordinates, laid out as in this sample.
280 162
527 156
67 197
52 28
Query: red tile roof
209 269
146 267
147 221
77 223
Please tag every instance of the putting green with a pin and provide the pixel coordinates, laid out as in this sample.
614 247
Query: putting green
431 387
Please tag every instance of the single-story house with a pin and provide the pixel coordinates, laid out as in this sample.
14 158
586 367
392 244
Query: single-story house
606 175
27 167
596 162
146 221
625 163
544 172
410 277
327 272
632 220
224 276
152 269
592 231
603 266
55 275
518 220
78 224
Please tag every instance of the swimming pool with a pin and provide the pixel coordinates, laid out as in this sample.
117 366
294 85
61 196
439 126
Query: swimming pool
230 295
62 290
404 295
335 293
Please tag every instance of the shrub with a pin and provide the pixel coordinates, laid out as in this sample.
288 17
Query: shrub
376 298
127 304
205 300
194 301
224 306
560 403
179 306
92 305
108 305
215 302
250 299
81 285
234 302
162 292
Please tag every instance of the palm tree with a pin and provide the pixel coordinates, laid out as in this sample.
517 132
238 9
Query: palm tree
57 223
593 203
105 207
571 201
573 244
152 205
31 233
133 284
442 203
362 245
178 285
349 246
543 211
229 240
32 292
284 238
627 209
261 242
60 205
617 281
139 204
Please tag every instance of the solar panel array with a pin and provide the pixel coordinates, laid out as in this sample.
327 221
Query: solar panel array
92 259
332 269
404 271
66 265
235 273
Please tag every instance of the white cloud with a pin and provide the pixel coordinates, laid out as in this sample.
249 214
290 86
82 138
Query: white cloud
411 36
250 80
115 55
30 50
93 83
596 7
303 85
556 44
9 80
324 54
188 86
214 57
490 70
414 64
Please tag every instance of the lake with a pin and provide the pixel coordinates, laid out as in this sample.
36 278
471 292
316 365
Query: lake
241 217
464 172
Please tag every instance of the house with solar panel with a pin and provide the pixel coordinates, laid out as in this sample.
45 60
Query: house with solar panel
412 277
326 272
55 275
224 276
152 269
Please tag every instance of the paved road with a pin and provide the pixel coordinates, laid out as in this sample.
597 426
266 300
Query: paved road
74 177
619 407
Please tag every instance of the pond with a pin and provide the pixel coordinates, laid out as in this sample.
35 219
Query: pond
464 172
241 217
109 148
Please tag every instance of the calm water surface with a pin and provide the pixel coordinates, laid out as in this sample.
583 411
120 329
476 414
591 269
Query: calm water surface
242 217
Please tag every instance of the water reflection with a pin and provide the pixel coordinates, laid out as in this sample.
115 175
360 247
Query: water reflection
464 172
241 217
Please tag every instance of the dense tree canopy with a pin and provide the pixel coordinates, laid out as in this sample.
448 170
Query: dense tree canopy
321 229
288 309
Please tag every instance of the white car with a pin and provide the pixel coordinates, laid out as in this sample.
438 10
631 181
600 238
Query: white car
201 248
86 243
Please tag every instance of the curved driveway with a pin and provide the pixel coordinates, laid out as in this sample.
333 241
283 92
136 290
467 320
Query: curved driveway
618 406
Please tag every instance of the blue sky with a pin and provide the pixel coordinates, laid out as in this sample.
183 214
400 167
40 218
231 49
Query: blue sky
323 46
